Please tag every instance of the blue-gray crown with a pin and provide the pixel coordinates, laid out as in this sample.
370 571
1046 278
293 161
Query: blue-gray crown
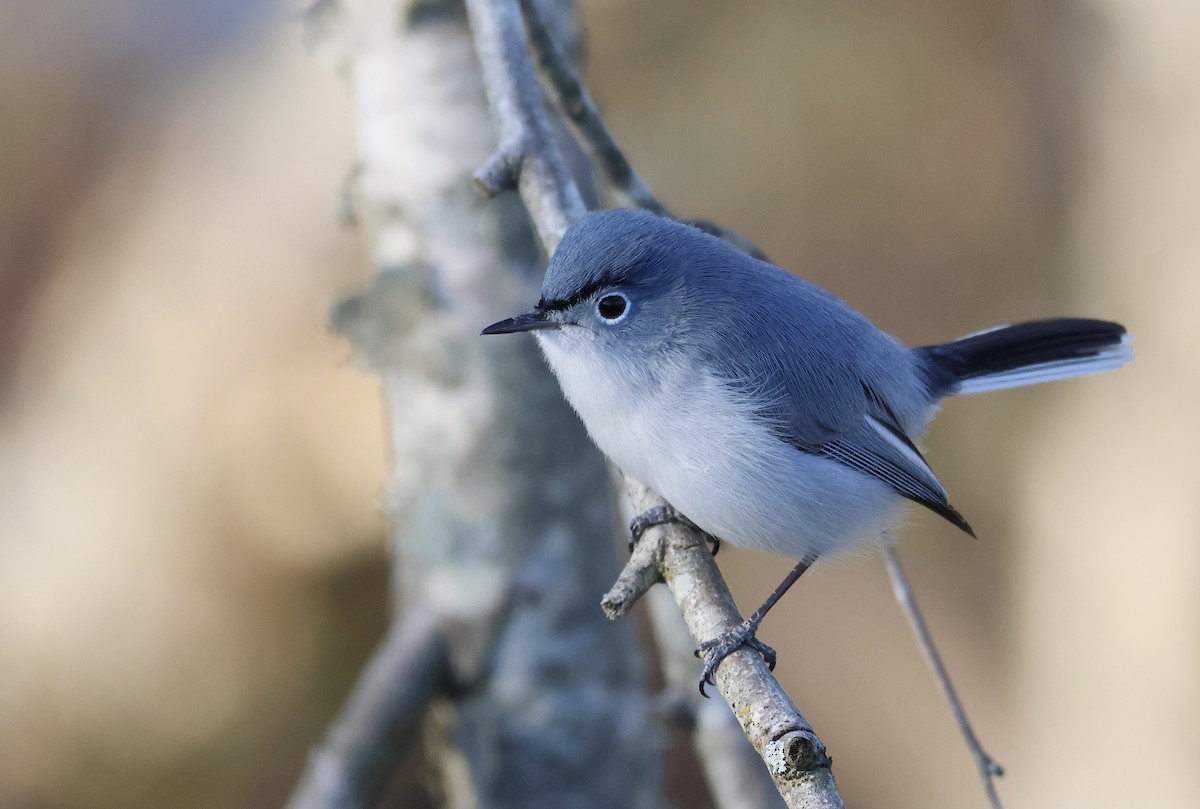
606 248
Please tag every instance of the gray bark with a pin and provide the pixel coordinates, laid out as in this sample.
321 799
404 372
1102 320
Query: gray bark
502 527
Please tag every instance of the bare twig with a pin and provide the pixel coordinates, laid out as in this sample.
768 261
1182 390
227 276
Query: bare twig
736 776
379 720
794 755
526 158
576 104
570 96
989 770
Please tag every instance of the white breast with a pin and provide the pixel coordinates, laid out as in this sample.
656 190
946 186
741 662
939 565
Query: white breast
692 439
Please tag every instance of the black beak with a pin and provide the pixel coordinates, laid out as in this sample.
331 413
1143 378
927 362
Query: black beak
530 321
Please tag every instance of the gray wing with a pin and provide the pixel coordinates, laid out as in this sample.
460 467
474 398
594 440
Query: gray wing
882 450
830 383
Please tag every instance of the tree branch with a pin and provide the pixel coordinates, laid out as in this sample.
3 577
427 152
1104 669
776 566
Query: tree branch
574 101
737 778
379 720
526 158
989 770
795 756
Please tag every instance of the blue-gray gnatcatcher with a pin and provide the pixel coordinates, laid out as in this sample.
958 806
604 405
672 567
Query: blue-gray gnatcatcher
763 409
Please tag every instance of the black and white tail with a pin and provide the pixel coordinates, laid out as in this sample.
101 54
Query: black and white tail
1025 354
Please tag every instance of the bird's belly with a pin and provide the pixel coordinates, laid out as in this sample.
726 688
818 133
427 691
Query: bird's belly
698 446
756 491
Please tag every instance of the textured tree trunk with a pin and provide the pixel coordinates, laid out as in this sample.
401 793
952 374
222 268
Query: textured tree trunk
502 522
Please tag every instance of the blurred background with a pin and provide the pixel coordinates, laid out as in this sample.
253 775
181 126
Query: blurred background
192 562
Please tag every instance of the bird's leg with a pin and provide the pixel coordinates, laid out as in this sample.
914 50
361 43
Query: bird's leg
722 646
661 515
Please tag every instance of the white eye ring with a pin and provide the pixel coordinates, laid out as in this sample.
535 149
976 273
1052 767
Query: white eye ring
612 307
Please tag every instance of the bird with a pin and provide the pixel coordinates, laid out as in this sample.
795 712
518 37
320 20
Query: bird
766 411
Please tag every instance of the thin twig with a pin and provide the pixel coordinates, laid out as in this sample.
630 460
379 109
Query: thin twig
794 755
576 104
989 770
526 158
380 718
736 776
572 98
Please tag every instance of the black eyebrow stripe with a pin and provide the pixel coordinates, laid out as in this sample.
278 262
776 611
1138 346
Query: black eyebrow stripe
559 304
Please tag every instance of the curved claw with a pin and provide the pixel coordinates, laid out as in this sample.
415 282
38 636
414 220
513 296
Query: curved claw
768 654
722 646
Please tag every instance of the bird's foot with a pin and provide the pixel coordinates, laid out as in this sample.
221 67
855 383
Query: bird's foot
661 515
720 647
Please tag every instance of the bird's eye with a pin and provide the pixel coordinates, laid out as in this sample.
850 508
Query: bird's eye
611 307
